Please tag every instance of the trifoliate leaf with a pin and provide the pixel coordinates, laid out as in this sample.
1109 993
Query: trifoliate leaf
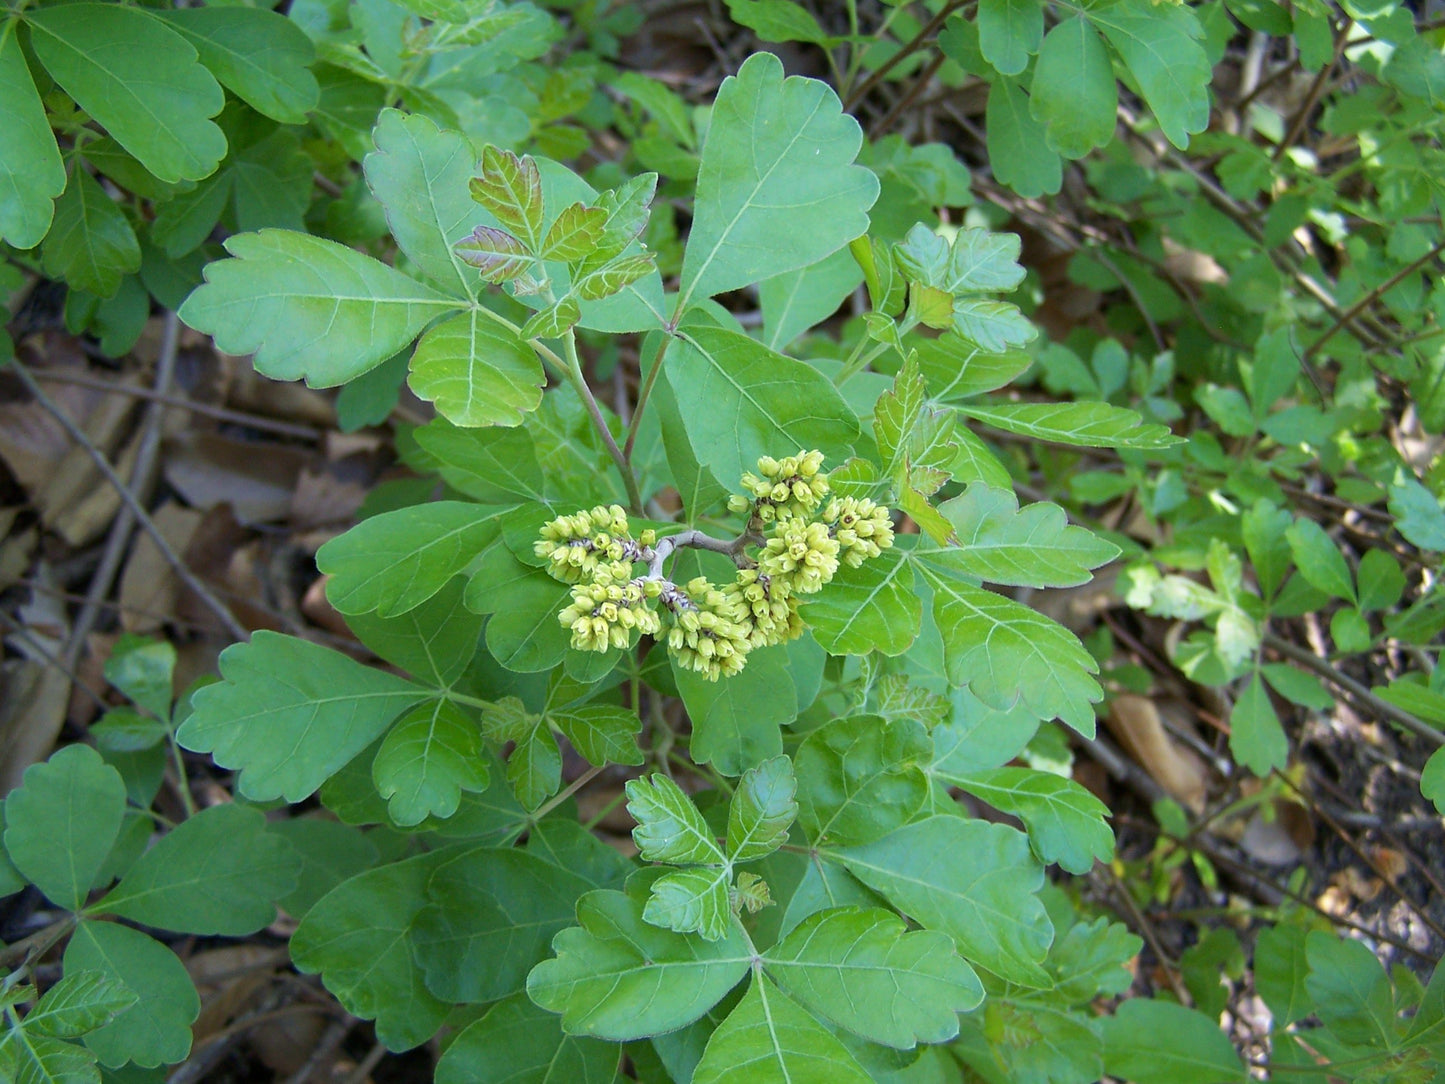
1006 653
139 79
861 777
308 307
768 1039
1031 547
534 767
518 1043
61 822
985 901
618 977
762 810
427 759
1088 425
777 188
358 937
511 189
156 1029
477 371
395 561
863 970
978 260
218 872
669 827
290 714
492 915
1066 823
31 172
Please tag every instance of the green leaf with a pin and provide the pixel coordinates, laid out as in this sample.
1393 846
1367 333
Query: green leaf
435 641
495 465
419 174
1009 32
139 79
496 253
1432 779
1093 958
428 758
797 300
574 233
1351 991
777 20
31 172
735 721
219 872
691 901
957 369
1073 92
602 733
492 915
1280 969
986 904
1263 528
1256 737
358 937
1087 425
1160 47
330 852
1196 1052
613 276
91 244
1066 824
863 971
39 1059
61 822
144 670
477 372
395 561
617 977
777 189
260 56
869 608
553 321
534 768
1032 547
156 1029
290 714
523 633
768 1039
669 827
1018 147
1005 652
1319 560
1418 514
739 401
518 1043
77 1004
1381 583
308 307
862 777
511 189
761 810
977 260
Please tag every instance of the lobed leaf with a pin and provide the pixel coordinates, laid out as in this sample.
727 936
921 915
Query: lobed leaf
31 172
427 759
1066 824
761 810
669 827
477 371
862 777
511 189
260 56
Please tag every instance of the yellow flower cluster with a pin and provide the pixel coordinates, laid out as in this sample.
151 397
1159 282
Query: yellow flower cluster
714 628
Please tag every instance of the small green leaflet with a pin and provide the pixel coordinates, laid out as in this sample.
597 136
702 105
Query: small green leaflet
862 970
669 827
768 1039
61 822
762 810
518 1043
308 307
290 714
1088 424
616 976
1032 547
31 172
777 189
90 244
427 759
78 1004
218 872
1073 91
477 371
138 78
511 189
1009 32
987 904
395 561
1066 824
1161 48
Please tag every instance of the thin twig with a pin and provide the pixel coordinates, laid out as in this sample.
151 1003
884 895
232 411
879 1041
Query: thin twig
1370 298
909 97
141 478
908 49
579 383
186 576
571 789
1312 97
1399 716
